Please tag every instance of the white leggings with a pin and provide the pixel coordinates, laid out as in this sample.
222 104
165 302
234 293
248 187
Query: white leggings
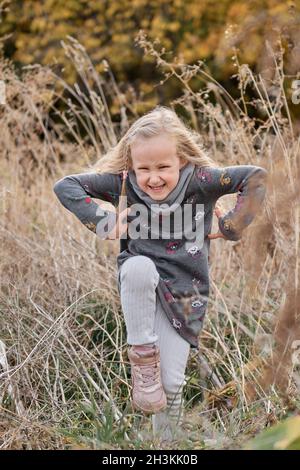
146 322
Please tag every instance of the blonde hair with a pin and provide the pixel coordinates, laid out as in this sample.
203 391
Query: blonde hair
160 120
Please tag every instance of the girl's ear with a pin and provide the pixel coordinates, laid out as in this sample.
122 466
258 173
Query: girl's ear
129 164
182 163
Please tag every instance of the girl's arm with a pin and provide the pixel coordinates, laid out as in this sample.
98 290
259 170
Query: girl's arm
249 182
75 192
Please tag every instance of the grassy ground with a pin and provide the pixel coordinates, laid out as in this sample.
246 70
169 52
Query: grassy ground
64 373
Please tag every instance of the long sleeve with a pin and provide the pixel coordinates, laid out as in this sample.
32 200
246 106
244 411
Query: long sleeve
248 181
75 193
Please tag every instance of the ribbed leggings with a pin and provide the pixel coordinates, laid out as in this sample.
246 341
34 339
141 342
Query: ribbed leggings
146 322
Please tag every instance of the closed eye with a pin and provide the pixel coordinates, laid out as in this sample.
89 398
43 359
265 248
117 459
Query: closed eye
165 166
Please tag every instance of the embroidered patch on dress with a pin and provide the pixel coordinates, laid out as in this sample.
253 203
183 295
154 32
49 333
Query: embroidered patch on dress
176 323
204 176
194 251
225 179
196 278
197 303
191 199
228 224
171 247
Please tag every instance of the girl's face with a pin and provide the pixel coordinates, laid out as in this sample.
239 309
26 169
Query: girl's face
156 165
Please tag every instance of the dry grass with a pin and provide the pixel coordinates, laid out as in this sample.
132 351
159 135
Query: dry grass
63 364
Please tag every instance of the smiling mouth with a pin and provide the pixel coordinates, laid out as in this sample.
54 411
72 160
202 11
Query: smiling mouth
157 188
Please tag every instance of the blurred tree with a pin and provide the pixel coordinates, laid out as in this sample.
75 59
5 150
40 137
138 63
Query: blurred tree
192 30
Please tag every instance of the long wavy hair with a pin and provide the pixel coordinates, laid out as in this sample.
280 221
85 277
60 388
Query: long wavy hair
160 120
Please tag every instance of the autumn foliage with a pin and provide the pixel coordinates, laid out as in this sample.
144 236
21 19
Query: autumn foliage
207 31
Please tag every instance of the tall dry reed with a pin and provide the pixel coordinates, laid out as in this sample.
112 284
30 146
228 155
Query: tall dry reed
62 358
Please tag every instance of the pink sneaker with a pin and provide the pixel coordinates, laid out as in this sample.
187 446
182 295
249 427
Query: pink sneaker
148 394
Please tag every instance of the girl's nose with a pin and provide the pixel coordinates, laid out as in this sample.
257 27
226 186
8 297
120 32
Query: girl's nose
154 179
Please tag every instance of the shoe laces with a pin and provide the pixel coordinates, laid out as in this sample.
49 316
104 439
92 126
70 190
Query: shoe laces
148 373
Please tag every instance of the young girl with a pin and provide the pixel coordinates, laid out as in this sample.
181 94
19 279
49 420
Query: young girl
163 281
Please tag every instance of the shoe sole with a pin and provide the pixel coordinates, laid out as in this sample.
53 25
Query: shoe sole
148 411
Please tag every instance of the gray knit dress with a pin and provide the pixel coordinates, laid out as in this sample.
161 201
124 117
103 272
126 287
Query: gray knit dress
183 267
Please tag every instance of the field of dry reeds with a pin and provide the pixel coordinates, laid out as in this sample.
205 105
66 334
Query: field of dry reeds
64 372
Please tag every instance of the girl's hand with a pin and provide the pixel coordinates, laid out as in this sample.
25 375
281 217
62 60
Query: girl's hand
219 234
120 227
